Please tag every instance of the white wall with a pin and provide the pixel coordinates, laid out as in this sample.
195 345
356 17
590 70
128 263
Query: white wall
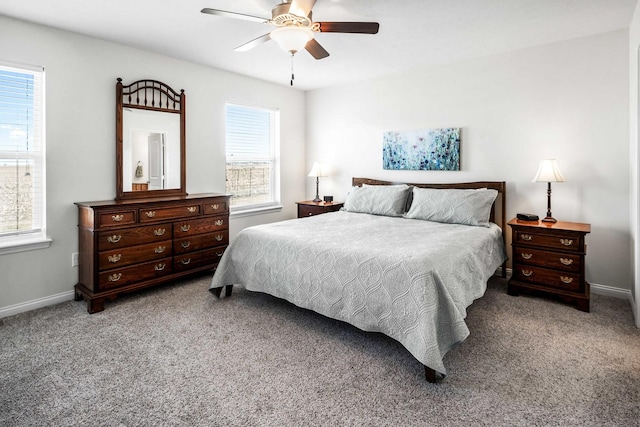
634 157
81 76
568 101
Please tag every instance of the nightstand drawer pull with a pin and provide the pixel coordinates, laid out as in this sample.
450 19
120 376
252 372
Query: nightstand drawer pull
117 218
310 214
219 222
566 280
114 258
527 256
219 253
566 242
566 261
114 239
159 231
185 227
160 249
160 267
185 261
215 207
219 237
186 244
527 273
150 214
192 209
527 237
114 277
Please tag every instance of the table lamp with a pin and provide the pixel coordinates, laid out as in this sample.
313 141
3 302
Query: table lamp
548 172
317 170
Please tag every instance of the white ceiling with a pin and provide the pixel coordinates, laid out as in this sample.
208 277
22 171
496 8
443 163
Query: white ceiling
413 33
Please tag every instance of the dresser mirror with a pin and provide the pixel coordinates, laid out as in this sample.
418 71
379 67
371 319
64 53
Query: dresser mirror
150 140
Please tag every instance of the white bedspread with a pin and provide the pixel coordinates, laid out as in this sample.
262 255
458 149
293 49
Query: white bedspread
409 279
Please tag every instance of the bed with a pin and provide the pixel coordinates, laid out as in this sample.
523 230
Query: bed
405 260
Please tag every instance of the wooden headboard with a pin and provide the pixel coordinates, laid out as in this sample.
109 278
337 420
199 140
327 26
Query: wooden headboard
498 209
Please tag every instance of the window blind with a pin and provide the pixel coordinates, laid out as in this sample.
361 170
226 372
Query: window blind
249 132
22 165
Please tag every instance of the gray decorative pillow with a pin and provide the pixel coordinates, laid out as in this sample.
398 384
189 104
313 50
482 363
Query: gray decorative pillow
469 207
388 200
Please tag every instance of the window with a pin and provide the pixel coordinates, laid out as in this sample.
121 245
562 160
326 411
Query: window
22 160
252 167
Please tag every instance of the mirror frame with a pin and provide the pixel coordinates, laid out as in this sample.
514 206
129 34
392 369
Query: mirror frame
150 95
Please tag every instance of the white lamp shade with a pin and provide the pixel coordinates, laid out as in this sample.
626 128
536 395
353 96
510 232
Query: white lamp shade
292 39
318 170
548 172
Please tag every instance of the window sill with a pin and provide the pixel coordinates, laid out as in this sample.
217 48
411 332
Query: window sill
255 211
23 245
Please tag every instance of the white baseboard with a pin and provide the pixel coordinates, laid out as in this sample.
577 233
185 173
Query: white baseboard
36 303
610 291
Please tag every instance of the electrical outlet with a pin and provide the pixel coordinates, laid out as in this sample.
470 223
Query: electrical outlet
75 260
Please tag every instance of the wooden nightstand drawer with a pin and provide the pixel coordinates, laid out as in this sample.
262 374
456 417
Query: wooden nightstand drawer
557 260
544 276
310 208
565 242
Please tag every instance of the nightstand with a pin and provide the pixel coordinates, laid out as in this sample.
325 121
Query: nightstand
550 258
310 208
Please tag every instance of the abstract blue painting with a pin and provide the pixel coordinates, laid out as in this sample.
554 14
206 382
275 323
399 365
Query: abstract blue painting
428 149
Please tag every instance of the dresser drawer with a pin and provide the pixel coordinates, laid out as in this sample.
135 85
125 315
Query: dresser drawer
556 260
116 219
136 273
201 241
200 226
552 278
568 243
117 258
198 259
215 206
174 212
134 236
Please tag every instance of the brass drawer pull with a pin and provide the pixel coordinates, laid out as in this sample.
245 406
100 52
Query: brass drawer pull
527 256
114 258
566 280
114 239
527 237
160 267
215 207
185 244
566 261
219 254
219 237
186 261
160 249
150 214
159 231
192 209
566 242
117 218
219 222
527 273
185 227
114 277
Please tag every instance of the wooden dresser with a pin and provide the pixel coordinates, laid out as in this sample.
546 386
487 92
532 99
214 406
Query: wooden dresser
128 245
550 257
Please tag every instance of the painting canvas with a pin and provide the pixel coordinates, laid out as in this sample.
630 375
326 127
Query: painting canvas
428 149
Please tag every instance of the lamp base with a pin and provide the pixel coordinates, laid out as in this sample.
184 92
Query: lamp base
318 199
549 219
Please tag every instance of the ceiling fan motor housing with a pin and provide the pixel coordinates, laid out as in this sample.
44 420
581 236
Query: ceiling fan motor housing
281 17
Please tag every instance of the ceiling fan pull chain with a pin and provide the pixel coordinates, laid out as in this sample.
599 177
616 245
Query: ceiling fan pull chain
292 76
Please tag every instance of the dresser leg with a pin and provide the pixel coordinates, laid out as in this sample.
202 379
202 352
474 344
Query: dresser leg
95 305
582 305
512 290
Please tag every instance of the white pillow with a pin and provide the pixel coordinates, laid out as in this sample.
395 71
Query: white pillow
388 200
453 206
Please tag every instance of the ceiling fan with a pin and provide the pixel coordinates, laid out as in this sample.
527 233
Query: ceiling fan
295 27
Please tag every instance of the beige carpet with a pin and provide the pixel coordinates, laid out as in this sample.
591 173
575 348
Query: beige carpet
177 356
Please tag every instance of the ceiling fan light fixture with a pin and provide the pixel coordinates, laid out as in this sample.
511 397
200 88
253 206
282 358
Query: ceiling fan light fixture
292 39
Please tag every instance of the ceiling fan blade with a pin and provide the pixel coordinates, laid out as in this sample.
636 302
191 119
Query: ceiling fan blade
316 50
349 27
253 43
301 8
234 15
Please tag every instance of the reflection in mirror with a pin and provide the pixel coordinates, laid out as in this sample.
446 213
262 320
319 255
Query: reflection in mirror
150 140
150 150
